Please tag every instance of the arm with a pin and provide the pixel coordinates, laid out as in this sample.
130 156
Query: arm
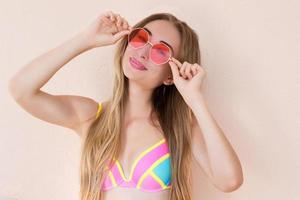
213 151
30 78
65 110
74 112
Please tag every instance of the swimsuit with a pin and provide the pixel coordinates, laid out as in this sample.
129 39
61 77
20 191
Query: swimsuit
151 170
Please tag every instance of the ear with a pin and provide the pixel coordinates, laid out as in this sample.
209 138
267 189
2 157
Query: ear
168 81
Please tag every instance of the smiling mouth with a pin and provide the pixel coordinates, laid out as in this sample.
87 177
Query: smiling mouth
136 64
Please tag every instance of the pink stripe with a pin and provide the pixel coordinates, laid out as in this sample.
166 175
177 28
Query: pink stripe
107 184
150 184
128 184
116 173
147 160
143 164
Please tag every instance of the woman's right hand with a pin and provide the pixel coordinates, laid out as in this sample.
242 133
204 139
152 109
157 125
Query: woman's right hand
106 29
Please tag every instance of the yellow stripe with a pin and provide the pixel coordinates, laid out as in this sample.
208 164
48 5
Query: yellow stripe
161 183
120 170
137 160
169 186
150 169
112 178
99 109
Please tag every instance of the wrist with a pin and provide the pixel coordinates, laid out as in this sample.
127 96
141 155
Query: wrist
83 40
195 99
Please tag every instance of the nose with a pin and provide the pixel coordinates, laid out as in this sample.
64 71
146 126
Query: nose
144 51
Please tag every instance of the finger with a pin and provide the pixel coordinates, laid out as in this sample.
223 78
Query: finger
129 27
176 62
182 70
125 24
119 22
120 34
107 20
106 14
187 71
112 16
110 24
174 69
194 69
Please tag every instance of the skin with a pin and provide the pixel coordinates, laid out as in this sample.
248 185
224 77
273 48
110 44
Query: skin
78 112
142 83
137 111
211 149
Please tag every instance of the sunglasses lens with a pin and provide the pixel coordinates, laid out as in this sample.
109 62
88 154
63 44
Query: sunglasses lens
138 38
160 53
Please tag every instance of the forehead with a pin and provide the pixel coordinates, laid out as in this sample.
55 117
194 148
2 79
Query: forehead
165 31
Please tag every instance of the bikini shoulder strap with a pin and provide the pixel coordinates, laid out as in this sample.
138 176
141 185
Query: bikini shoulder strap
99 109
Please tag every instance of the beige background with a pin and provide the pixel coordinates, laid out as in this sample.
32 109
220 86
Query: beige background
249 48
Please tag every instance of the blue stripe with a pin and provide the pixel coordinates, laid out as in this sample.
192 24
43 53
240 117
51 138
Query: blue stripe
163 171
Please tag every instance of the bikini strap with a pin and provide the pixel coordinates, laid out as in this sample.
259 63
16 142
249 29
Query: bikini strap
99 109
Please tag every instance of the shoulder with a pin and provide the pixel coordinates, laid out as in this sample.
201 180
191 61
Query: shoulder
91 112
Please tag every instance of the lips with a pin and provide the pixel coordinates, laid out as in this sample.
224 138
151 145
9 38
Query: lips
135 63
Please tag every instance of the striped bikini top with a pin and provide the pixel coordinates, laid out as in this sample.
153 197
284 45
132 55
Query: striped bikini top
151 170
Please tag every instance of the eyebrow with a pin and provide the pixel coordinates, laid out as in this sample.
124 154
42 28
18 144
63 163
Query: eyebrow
160 40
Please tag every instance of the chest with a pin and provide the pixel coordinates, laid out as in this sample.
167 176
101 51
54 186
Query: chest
137 139
143 165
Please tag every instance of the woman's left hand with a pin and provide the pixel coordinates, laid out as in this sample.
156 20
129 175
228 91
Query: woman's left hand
187 78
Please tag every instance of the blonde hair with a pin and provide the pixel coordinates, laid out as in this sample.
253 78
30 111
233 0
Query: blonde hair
102 142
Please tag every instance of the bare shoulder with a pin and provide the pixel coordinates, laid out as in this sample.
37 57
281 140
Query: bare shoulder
91 111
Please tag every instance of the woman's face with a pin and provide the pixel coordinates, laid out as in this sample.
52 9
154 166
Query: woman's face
155 75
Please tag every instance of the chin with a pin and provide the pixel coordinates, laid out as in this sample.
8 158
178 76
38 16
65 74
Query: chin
129 73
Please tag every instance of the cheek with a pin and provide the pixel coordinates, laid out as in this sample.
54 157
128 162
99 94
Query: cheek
125 58
166 70
161 72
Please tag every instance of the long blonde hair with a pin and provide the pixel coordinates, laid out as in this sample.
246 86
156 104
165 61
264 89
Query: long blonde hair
102 142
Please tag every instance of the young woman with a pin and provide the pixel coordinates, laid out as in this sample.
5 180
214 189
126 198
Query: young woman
139 144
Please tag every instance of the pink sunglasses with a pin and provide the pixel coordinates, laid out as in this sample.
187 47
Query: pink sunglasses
159 54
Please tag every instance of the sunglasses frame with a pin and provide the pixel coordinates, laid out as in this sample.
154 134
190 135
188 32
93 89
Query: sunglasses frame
151 45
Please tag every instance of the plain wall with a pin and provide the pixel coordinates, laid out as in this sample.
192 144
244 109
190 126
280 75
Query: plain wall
250 50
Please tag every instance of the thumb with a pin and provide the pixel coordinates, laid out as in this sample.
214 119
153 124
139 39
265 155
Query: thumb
120 34
174 69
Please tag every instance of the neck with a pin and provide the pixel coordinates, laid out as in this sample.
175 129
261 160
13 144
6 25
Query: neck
139 102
